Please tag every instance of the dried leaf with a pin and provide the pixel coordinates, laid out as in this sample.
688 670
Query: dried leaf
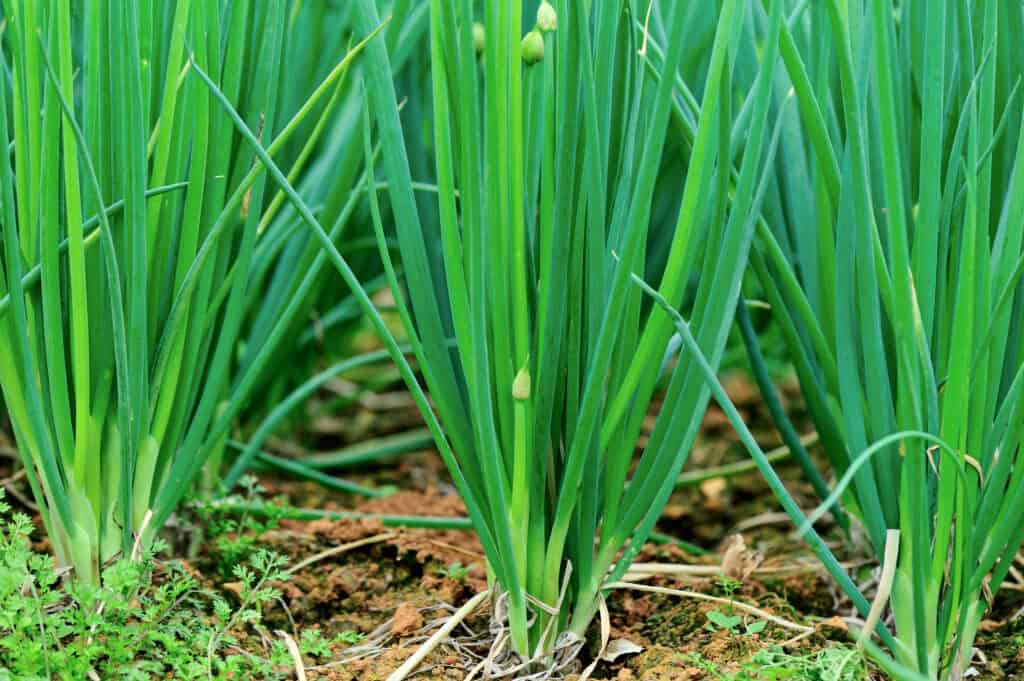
714 493
739 562
619 647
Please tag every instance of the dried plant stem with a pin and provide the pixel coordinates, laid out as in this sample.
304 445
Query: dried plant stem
440 635
749 609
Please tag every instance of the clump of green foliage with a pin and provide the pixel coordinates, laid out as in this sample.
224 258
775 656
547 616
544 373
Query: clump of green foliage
149 619
235 537
891 256
890 252
549 153
138 239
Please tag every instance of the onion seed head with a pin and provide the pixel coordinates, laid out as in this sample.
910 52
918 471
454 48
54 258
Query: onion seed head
533 47
547 17
479 37
522 386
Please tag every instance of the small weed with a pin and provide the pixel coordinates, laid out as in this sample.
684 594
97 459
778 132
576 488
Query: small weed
837 663
235 538
703 664
726 619
135 626
727 586
313 643
720 621
456 571
350 637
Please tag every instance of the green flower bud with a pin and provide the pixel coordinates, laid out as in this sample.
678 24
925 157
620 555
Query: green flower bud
522 386
547 18
533 47
479 37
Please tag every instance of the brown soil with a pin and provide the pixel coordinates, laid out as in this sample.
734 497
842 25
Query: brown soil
396 580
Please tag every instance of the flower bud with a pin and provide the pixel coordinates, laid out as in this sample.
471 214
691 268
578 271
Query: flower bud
533 47
547 18
522 386
479 37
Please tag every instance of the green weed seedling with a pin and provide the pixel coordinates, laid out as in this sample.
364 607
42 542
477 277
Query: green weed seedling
456 571
235 537
721 620
726 619
149 619
835 663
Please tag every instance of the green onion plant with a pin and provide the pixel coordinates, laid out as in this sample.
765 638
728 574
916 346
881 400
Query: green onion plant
131 246
328 171
550 144
326 163
891 254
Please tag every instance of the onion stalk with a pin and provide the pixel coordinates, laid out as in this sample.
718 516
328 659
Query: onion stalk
892 262
130 228
547 178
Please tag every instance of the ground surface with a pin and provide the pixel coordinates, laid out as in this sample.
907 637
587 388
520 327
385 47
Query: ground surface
360 579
